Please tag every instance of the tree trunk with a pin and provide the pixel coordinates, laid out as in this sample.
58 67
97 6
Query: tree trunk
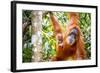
36 36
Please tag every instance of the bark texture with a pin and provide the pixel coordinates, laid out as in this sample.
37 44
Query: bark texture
36 36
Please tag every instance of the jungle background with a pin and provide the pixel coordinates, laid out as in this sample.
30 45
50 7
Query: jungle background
29 52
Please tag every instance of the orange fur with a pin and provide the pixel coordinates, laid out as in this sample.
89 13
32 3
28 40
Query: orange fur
65 51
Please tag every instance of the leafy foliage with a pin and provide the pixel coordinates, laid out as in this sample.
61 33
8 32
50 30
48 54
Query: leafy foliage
85 25
27 46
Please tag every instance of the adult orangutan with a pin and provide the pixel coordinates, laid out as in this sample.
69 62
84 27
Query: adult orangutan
69 44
